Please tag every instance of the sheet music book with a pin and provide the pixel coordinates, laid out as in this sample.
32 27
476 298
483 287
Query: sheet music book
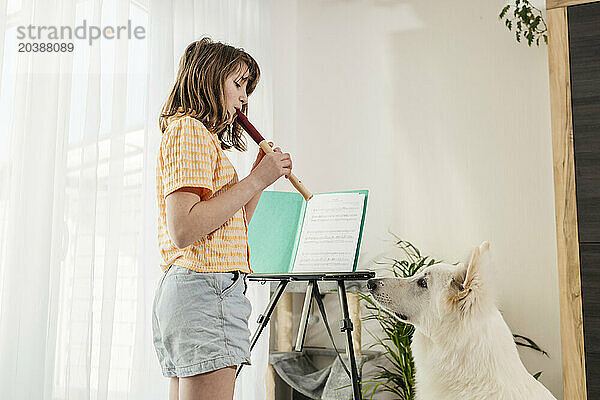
288 234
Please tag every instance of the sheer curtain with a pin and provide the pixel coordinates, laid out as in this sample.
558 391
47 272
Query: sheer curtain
78 140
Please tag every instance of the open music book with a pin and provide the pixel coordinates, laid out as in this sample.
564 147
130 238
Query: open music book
288 234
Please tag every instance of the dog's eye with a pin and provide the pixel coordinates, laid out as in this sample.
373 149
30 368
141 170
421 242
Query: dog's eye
422 282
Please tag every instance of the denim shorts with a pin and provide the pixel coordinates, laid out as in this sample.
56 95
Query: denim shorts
200 321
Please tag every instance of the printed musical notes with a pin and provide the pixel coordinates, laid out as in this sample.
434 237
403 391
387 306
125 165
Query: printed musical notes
330 233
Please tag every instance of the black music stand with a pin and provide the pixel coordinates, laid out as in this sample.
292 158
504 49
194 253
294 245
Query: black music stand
312 290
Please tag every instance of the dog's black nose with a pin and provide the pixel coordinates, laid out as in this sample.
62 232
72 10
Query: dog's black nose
371 285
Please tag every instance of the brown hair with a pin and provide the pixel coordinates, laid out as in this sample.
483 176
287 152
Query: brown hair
198 89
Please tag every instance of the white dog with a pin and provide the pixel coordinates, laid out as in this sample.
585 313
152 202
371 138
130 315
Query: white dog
462 347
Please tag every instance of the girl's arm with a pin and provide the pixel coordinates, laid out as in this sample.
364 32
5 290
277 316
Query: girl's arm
189 218
251 206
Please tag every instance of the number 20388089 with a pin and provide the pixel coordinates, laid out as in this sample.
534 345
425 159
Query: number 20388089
45 47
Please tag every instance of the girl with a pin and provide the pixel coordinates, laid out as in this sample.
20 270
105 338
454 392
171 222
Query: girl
200 311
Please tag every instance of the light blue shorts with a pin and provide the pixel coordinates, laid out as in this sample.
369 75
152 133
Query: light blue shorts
200 321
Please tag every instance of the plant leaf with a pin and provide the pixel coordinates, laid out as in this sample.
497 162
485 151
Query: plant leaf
529 343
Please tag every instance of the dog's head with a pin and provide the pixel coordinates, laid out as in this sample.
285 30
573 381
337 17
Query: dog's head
437 294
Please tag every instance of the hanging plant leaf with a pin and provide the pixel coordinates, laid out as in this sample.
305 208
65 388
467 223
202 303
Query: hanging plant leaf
529 21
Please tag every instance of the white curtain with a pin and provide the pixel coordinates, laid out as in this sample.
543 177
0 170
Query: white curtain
79 262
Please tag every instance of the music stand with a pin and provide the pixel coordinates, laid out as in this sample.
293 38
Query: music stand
312 291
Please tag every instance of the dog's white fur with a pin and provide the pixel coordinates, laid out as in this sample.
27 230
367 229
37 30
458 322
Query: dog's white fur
462 347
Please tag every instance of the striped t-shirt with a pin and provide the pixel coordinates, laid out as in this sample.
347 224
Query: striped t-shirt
190 155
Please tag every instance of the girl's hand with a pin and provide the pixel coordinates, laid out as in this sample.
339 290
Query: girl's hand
259 156
272 166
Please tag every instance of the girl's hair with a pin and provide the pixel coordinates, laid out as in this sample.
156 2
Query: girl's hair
198 89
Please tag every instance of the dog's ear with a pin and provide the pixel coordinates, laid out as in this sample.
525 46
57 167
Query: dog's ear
483 247
472 268
456 284
472 271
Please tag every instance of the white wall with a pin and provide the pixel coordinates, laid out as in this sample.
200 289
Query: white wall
444 117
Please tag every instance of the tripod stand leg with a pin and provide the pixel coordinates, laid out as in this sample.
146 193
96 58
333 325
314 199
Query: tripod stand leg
305 313
263 320
346 325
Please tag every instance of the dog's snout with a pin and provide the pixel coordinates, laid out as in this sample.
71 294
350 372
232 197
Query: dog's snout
371 285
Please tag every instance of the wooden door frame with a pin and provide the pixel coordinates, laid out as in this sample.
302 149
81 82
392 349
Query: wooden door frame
550 4
569 269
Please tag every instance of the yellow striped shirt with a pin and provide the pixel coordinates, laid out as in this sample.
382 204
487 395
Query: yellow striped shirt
190 155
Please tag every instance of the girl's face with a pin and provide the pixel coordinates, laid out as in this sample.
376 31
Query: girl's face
235 91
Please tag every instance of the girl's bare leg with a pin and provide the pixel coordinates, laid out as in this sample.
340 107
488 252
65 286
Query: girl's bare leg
214 385
174 389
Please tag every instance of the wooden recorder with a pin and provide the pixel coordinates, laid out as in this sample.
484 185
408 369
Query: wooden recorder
264 145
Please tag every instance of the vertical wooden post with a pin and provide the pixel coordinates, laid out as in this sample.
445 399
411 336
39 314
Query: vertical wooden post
569 275
270 382
284 338
284 322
